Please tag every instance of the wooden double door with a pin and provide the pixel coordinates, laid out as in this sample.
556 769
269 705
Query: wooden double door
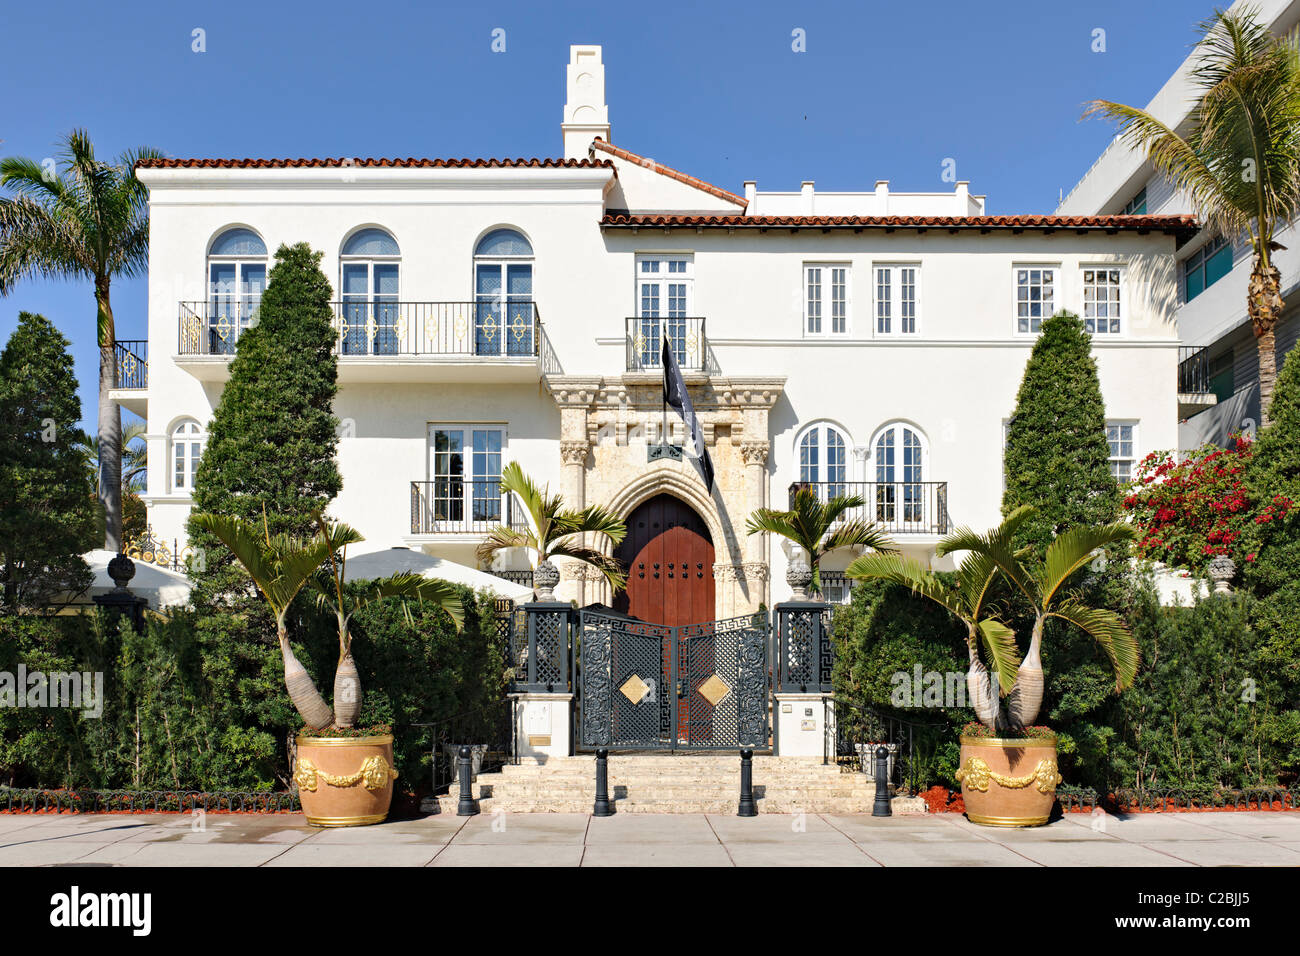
668 553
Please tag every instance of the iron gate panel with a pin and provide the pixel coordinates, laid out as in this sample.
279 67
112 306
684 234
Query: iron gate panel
654 687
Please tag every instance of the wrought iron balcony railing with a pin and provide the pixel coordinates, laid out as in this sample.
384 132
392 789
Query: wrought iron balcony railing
900 507
1193 370
132 363
684 334
371 326
462 506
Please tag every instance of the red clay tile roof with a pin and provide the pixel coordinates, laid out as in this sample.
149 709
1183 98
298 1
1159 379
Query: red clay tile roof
668 171
1173 224
340 161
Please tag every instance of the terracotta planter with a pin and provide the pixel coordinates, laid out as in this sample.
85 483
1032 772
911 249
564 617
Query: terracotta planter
345 781
1008 782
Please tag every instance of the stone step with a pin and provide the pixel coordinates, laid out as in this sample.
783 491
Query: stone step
766 805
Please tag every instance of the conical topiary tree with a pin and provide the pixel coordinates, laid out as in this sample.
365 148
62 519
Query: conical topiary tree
1273 484
1056 457
47 510
272 440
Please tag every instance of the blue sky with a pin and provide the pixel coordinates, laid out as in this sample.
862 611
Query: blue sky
883 91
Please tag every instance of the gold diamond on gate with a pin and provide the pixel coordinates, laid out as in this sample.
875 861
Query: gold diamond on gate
714 690
634 689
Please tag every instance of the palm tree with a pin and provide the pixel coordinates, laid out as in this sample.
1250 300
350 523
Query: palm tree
555 531
343 602
280 566
968 600
90 221
1239 162
1042 582
135 458
819 528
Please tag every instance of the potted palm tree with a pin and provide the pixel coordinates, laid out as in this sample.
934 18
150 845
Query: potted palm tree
555 531
818 528
1008 771
1237 161
344 774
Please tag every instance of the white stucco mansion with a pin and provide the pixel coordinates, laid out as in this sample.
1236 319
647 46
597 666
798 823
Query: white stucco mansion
491 310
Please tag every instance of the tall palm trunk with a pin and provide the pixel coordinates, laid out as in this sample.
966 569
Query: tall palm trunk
1264 303
110 423
303 694
1027 695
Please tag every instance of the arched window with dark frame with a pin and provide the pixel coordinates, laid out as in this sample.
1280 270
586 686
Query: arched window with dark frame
504 315
370 283
236 281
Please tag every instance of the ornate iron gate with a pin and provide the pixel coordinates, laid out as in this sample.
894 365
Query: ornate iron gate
653 687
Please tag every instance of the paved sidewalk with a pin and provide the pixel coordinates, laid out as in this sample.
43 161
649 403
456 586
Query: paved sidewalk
1188 839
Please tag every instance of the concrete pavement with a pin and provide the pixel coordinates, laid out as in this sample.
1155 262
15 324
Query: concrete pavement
503 839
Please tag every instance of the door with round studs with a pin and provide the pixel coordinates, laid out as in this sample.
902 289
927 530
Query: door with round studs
668 553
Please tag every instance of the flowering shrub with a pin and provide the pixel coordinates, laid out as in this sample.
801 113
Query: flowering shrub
1190 511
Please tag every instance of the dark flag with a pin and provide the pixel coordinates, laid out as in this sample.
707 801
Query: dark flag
676 397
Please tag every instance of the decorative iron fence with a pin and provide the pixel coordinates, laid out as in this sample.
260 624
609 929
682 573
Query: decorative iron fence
541 647
489 730
517 577
1193 370
132 357
684 334
375 326
900 507
462 506
803 655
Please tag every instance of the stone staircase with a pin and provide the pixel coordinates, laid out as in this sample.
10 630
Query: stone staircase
675 783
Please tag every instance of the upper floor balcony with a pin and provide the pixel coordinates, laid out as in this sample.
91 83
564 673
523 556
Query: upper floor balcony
389 341
459 506
685 335
132 359
1194 391
901 508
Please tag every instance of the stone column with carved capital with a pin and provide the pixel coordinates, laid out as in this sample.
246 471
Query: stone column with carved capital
754 453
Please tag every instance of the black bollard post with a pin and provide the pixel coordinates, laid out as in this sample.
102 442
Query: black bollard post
466 807
602 807
881 807
747 807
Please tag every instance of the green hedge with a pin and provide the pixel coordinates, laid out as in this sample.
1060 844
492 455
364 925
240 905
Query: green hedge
1189 721
198 702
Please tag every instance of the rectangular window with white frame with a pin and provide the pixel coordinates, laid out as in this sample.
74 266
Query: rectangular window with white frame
464 487
896 289
664 309
1035 297
826 298
1102 300
1122 439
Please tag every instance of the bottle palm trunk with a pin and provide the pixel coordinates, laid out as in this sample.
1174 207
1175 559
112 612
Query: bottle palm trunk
347 692
306 699
1026 696
979 684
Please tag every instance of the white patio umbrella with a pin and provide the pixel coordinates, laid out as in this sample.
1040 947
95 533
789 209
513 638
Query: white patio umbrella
380 564
161 587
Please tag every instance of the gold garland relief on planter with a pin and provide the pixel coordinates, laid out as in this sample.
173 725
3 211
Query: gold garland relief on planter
977 774
374 774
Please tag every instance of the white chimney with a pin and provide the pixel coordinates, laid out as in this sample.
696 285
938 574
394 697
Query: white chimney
585 114
806 193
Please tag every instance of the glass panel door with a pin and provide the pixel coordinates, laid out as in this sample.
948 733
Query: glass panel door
487 309
356 291
223 308
385 309
519 302
486 504
446 501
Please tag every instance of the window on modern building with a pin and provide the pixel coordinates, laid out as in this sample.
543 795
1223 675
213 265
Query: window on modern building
370 265
465 473
1137 205
826 299
187 440
898 466
823 459
1206 266
504 315
896 298
1101 301
236 281
664 305
1121 437
1222 375
1035 296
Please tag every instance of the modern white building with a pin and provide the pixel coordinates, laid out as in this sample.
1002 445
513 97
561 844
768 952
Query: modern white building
496 310
1219 367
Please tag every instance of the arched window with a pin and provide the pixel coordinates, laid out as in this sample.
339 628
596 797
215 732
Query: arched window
504 316
236 281
187 440
369 285
823 460
898 464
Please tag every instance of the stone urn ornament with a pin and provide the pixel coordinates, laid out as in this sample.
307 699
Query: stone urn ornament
545 578
799 576
1222 569
121 569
